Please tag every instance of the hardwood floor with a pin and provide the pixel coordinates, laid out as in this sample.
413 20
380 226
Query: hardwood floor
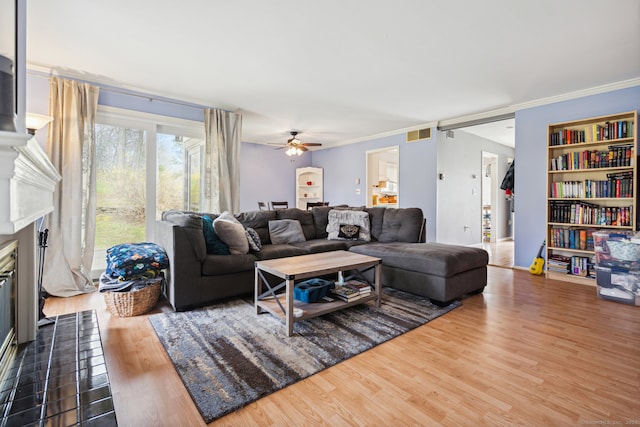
528 351
500 253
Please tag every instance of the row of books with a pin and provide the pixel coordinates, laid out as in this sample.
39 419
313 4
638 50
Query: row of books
614 156
572 238
615 186
351 290
576 265
568 212
593 133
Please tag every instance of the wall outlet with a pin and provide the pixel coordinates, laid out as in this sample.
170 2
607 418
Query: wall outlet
357 191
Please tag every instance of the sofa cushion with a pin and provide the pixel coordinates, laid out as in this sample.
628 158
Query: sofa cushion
284 231
376 216
232 233
192 226
305 218
320 220
279 251
401 225
322 245
214 243
338 217
437 259
214 265
259 221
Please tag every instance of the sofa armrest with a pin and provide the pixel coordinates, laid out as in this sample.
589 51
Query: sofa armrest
185 267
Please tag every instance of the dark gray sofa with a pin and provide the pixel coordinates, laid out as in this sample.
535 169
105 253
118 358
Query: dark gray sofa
196 278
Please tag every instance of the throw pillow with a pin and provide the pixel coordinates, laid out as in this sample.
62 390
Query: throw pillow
286 231
229 217
349 231
254 240
339 217
214 244
232 233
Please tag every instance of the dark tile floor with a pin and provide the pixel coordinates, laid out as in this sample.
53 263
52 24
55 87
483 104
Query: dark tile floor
60 378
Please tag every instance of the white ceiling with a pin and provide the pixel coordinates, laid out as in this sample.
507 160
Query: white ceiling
501 131
340 70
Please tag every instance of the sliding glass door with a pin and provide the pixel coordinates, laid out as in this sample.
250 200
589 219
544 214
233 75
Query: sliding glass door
145 166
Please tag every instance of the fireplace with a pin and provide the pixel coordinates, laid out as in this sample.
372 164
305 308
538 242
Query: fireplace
27 182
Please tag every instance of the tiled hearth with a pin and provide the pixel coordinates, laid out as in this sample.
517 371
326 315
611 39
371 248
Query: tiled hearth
60 379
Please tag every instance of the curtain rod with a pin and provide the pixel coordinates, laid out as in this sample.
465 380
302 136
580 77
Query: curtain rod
117 90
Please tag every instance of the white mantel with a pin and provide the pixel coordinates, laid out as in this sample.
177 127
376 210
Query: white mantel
27 182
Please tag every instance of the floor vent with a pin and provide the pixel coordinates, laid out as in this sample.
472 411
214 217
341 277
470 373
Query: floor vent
418 135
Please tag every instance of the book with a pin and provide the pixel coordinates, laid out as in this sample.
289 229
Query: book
362 287
345 293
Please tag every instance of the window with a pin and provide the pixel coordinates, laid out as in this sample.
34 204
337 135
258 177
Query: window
145 165
120 189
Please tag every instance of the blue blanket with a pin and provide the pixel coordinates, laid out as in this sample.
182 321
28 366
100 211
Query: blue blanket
136 260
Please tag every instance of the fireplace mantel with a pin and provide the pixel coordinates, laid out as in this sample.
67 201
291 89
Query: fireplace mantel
27 182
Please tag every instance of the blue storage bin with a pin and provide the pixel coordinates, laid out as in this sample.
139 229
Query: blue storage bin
312 290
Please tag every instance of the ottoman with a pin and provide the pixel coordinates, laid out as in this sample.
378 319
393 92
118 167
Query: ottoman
438 271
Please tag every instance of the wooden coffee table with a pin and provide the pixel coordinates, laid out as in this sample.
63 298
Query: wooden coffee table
278 299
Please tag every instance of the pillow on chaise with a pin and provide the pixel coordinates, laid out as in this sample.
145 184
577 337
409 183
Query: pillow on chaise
232 233
214 243
254 239
338 217
283 231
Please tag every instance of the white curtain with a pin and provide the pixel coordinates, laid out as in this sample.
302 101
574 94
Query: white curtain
223 133
71 148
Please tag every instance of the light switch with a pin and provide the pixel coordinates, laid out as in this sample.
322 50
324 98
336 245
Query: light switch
357 191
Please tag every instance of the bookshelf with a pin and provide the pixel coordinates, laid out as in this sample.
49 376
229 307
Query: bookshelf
309 186
591 186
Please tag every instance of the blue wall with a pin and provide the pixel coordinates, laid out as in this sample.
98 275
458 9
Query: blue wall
418 173
531 163
267 174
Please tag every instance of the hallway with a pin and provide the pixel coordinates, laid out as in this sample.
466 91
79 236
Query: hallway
500 253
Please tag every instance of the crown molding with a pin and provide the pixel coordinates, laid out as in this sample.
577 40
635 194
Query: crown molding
511 109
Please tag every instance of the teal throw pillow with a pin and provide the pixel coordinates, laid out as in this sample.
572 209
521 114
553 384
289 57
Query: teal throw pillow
215 246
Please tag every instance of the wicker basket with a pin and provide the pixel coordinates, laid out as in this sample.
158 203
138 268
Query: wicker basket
127 304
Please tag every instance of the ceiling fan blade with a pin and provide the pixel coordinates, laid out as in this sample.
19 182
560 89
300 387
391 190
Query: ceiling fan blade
311 144
303 148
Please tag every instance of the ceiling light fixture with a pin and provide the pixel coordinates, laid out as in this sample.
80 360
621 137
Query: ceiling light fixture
292 151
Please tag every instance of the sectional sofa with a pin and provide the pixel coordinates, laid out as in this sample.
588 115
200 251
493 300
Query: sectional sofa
198 275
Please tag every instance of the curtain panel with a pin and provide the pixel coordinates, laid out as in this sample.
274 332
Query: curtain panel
71 148
223 134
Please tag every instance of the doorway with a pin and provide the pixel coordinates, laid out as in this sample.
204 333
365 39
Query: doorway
490 213
383 172
472 209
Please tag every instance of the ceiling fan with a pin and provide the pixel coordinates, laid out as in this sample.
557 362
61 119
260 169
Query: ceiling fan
296 147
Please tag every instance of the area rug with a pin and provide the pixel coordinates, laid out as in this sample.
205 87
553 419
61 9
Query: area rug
227 356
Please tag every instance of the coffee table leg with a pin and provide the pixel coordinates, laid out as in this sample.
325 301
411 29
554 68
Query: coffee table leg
289 307
258 290
378 283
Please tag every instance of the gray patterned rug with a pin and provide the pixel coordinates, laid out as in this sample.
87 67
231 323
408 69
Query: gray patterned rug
227 356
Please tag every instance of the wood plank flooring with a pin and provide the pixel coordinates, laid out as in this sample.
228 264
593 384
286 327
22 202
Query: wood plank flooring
528 351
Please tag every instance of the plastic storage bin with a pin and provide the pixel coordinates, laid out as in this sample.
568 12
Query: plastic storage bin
618 284
312 290
615 249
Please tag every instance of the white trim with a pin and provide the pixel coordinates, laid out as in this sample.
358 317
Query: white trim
542 101
108 85
511 109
